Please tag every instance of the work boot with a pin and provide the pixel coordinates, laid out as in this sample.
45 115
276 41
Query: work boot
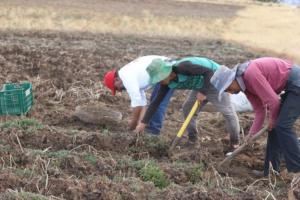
231 149
258 173
193 137
192 141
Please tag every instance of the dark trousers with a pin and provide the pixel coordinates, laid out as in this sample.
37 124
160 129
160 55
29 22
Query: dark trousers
282 139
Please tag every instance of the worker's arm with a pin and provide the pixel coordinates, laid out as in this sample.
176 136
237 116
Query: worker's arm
264 98
138 101
136 116
152 108
190 69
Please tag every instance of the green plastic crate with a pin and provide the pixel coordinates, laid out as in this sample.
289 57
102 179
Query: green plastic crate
16 98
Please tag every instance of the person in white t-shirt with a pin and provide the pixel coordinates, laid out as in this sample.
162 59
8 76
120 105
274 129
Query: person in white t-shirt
134 78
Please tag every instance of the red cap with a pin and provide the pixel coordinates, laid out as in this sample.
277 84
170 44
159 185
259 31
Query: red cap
109 81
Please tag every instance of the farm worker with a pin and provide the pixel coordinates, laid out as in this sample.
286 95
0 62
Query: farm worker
134 78
262 80
191 73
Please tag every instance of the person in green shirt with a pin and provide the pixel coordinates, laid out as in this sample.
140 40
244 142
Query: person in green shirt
191 73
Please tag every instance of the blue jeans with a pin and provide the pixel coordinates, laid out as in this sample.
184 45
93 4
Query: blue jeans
156 121
283 140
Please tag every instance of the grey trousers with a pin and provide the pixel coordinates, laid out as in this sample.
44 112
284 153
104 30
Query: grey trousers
224 106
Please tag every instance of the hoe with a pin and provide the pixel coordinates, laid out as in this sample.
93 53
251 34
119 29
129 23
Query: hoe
184 125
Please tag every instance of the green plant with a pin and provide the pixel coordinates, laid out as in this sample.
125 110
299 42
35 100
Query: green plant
28 124
127 162
91 159
156 146
13 195
196 173
154 174
5 148
105 131
58 154
24 172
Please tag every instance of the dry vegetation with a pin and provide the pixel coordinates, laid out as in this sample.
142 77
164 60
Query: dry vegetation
253 26
275 27
61 46
146 22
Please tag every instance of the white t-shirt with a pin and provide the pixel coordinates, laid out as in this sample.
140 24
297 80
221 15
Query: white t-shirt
136 79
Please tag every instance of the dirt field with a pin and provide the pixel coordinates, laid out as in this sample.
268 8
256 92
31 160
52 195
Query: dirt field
50 154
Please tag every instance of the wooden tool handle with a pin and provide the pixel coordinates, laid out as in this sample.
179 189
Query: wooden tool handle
242 147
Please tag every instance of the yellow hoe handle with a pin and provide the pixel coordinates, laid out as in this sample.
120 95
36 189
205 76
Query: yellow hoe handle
188 119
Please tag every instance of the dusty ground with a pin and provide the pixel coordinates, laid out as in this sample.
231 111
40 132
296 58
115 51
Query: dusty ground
69 159
50 154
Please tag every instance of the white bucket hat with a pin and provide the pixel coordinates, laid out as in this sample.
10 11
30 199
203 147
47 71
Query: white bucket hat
222 79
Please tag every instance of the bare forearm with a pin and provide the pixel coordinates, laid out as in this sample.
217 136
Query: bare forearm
135 117
142 113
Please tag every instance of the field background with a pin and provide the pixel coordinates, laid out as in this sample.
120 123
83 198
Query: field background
244 21
63 46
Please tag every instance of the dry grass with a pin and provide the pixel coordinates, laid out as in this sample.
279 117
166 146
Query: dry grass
268 26
48 18
263 26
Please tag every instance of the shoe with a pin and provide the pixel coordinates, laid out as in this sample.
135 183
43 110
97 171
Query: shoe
231 149
257 173
193 138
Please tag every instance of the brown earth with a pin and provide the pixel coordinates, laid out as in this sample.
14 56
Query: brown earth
64 70
66 158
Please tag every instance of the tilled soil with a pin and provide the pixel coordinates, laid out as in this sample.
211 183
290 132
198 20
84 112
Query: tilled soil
70 159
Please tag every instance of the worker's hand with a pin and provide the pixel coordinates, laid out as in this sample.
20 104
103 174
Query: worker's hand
201 97
140 128
132 124
270 125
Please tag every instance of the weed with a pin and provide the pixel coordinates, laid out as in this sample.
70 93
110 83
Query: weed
211 184
156 146
139 164
5 148
231 191
24 172
30 125
196 173
12 195
178 164
135 186
105 131
91 159
154 174
128 162
58 154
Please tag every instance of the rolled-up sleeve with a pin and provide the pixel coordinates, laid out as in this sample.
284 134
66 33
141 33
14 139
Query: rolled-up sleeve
259 113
